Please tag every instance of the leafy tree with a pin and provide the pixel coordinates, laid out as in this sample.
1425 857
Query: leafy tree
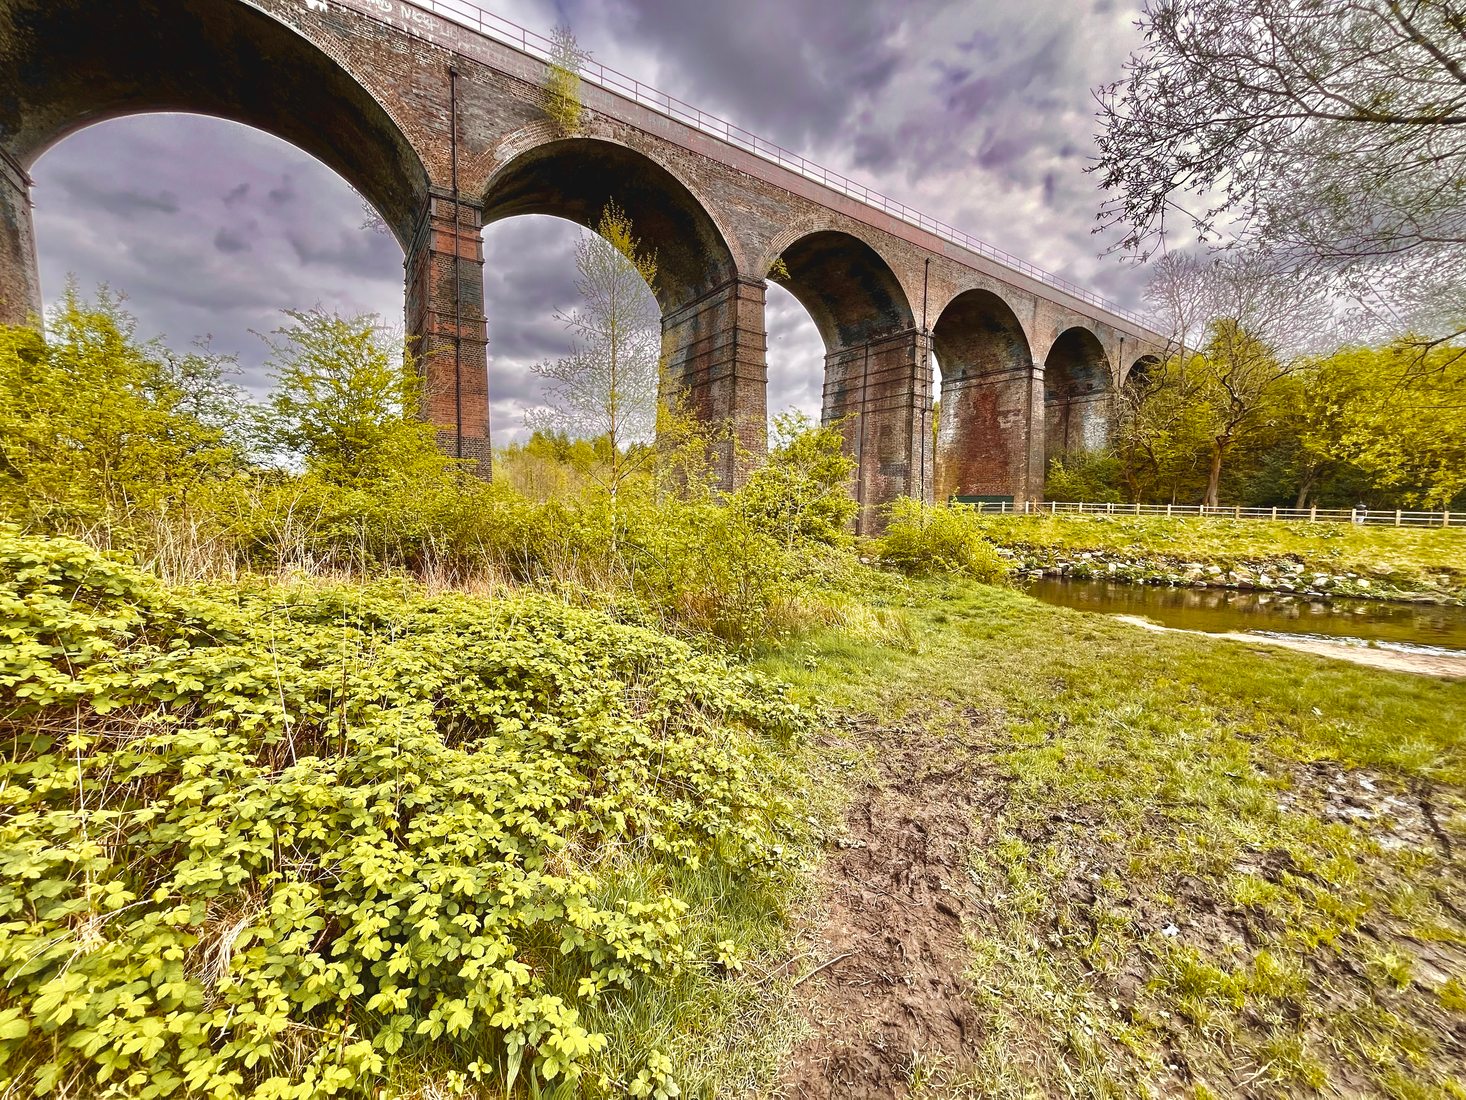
803 491
607 386
346 400
1331 134
1087 477
97 426
1403 429
562 81
1159 438
1259 319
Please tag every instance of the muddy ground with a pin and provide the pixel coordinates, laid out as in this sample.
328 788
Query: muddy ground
889 937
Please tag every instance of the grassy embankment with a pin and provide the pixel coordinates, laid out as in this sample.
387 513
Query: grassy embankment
263 839
1339 558
1199 868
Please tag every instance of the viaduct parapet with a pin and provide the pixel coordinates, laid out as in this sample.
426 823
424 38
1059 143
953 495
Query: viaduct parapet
442 129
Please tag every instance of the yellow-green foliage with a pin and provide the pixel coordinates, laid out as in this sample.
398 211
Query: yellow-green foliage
1394 414
562 82
284 842
803 493
926 539
96 427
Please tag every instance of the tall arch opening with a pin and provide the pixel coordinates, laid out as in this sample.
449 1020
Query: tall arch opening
796 355
67 64
531 285
712 319
1143 371
1077 395
984 442
210 229
876 377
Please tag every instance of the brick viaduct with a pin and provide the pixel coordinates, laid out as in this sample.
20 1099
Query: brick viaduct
442 129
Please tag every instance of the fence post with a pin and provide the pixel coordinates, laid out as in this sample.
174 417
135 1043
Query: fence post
1168 511
1110 507
1081 507
1445 519
1137 507
1312 513
1397 517
1238 513
979 507
1275 511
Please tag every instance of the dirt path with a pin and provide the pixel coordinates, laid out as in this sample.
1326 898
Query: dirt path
892 990
1422 664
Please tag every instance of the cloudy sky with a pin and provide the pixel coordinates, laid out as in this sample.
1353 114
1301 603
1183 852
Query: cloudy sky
977 112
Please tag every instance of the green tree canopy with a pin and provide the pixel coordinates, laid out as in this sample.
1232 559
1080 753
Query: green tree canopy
346 400
96 424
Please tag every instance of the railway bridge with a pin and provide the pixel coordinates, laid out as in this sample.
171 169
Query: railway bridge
434 111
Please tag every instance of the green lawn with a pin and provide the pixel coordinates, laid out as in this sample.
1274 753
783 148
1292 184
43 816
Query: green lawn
1215 870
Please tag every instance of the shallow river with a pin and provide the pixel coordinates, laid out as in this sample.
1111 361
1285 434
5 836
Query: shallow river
1411 627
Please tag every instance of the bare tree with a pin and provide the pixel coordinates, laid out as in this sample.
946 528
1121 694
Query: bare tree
606 388
1329 133
1259 320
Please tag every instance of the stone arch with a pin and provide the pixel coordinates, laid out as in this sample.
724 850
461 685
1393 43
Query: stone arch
851 293
1077 394
712 319
1142 371
575 177
984 438
66 64
877 382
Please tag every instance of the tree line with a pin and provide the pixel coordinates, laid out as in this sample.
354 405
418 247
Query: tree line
1300 170
1258 404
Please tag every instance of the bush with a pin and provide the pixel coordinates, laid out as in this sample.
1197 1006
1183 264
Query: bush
925 539
97 428
803 493
276 842
1086 477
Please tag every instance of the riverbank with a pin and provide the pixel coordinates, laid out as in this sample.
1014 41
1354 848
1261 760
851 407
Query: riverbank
1306 559
1445 665
1085 859
994 848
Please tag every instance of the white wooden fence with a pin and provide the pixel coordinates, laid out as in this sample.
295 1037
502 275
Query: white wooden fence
1373 516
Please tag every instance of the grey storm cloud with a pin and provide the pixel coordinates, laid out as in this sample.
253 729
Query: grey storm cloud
229 242
86 190
977 114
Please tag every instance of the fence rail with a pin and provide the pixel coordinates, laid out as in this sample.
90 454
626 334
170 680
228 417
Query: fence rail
1377 517
470 15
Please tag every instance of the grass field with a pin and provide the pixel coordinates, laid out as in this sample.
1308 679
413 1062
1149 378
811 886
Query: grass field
1198 868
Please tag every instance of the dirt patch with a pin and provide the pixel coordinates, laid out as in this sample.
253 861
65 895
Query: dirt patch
890 940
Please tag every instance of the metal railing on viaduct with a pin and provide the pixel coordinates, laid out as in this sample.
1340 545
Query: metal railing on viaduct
1379 517
540 47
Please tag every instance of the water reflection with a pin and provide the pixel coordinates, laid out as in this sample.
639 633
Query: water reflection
1218 610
